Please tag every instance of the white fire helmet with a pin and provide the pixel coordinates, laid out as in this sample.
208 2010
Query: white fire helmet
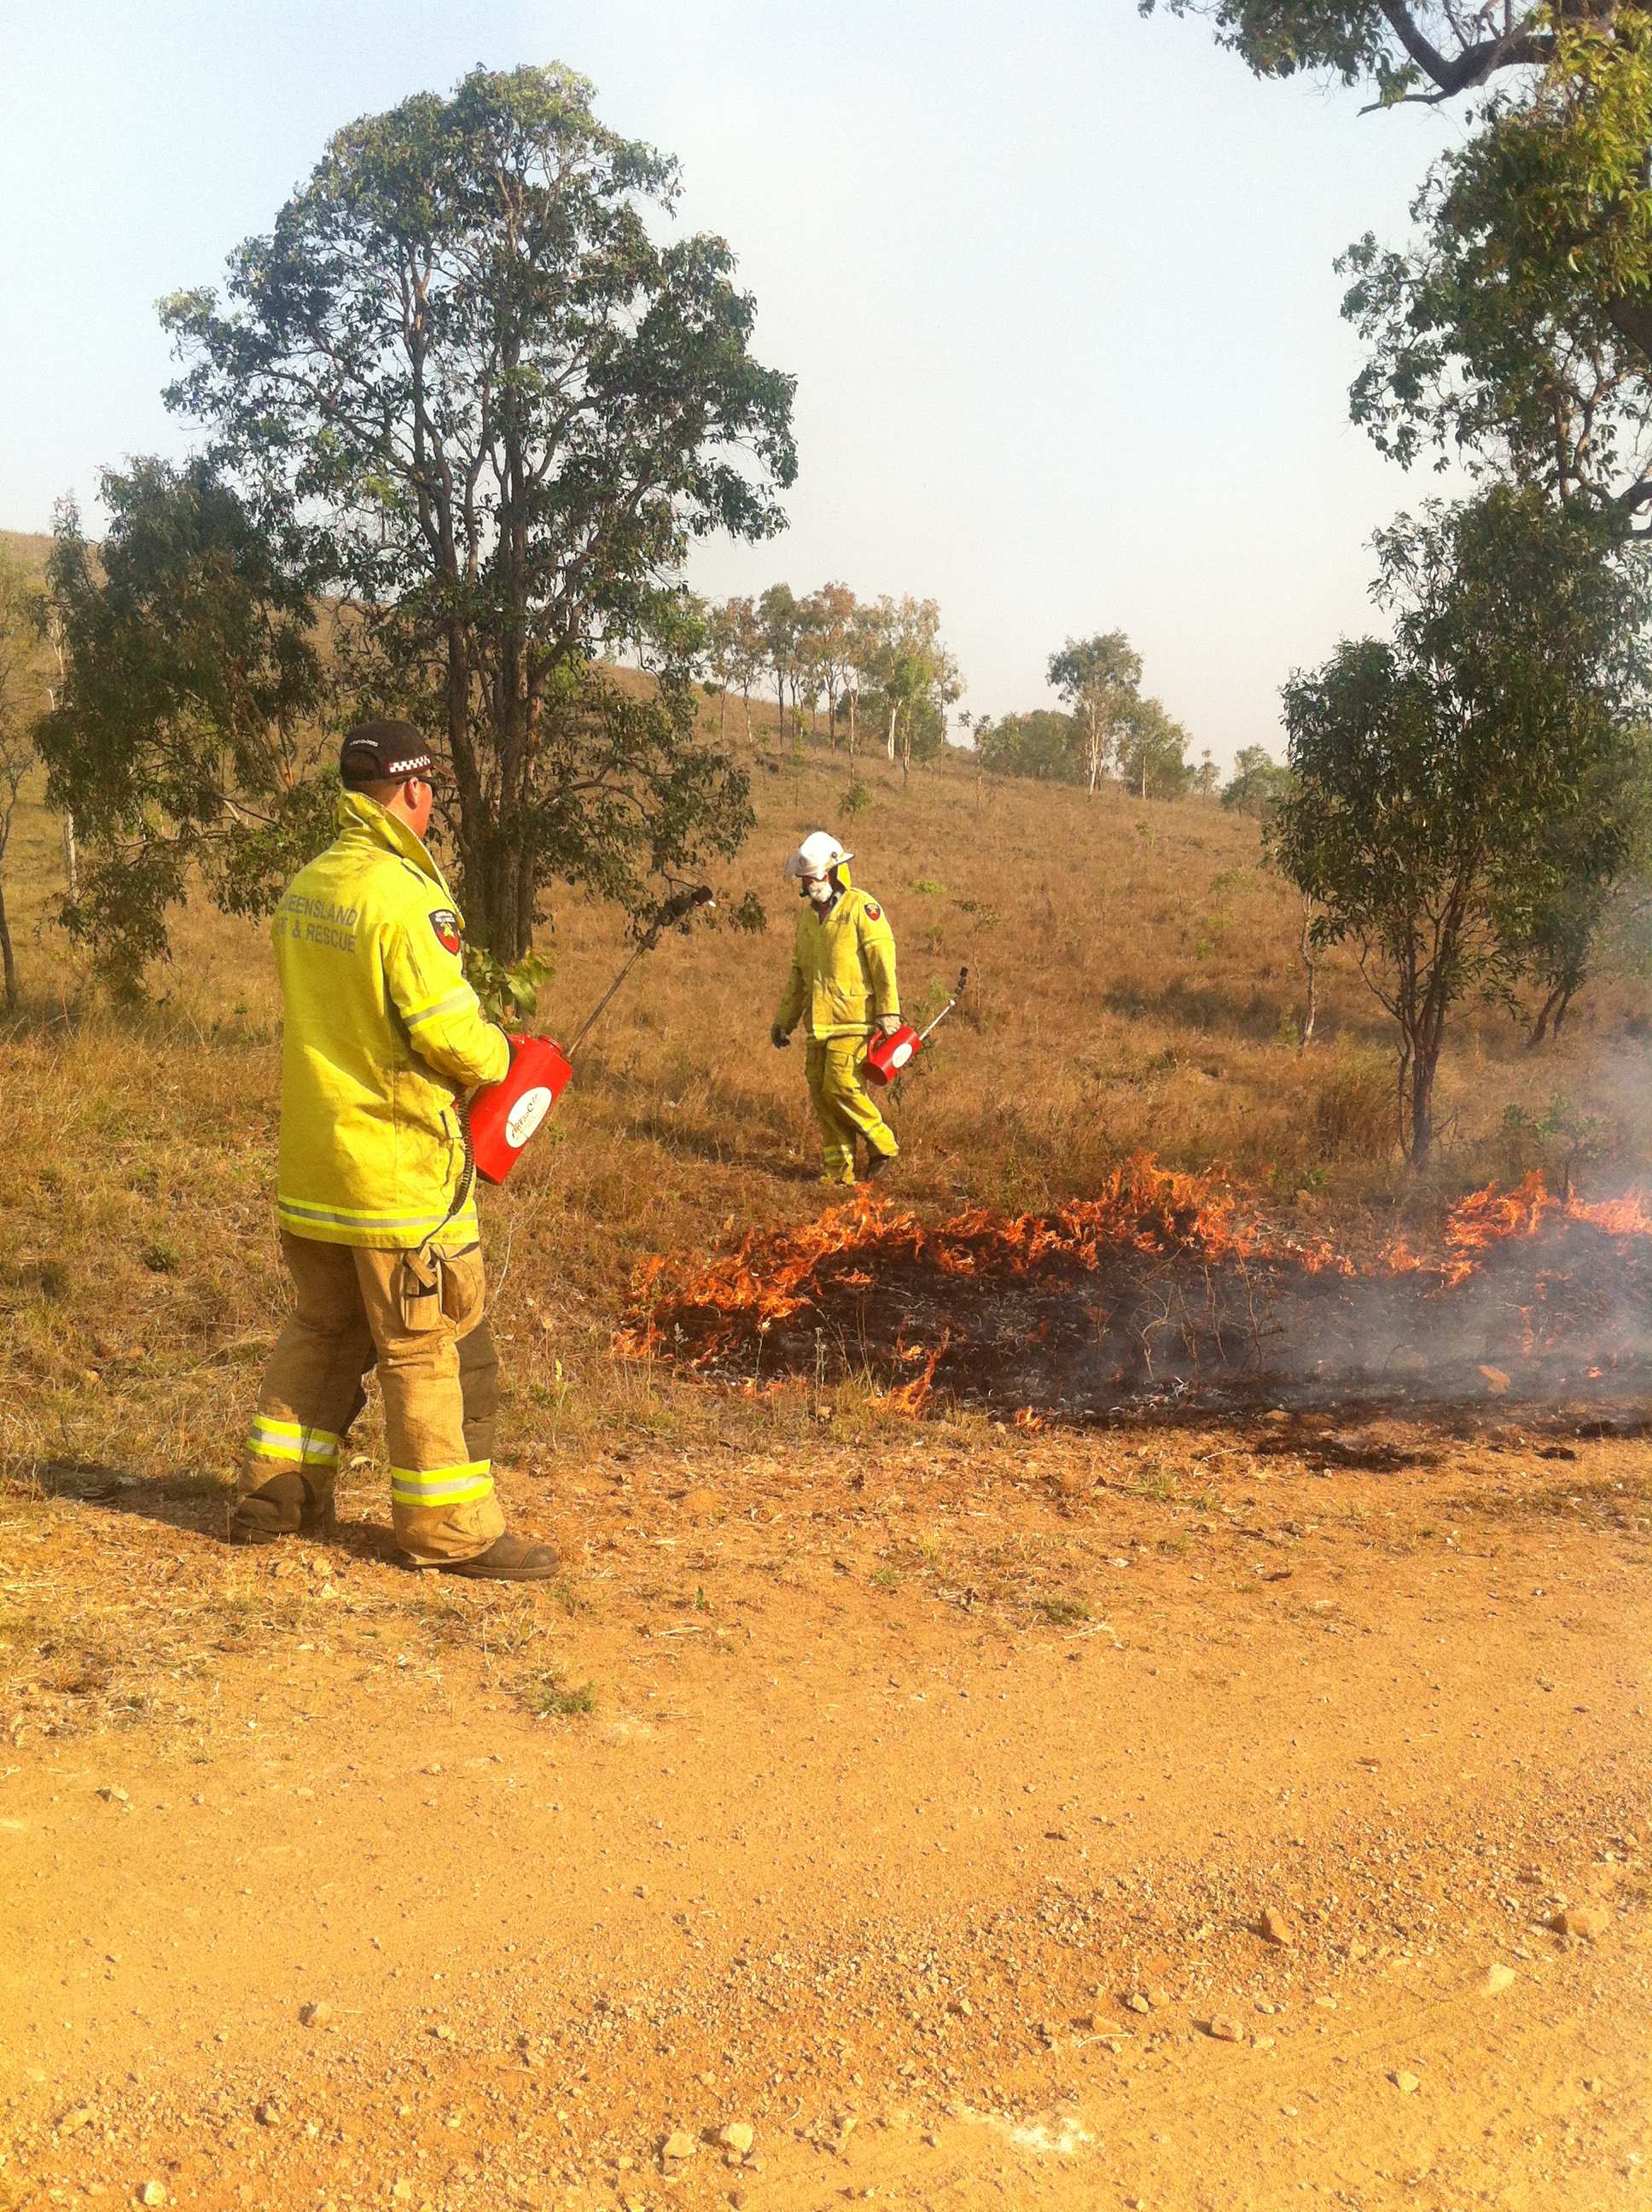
818 855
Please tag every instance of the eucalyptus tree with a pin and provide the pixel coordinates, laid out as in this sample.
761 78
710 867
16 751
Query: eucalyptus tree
1454 789
1100 679
471 387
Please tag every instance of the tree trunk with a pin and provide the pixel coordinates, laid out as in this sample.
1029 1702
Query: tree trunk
7 961
1553 1013
854 722
1310 962
1423 1066
779 697
72 860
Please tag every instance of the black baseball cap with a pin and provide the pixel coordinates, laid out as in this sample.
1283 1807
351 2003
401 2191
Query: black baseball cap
383 752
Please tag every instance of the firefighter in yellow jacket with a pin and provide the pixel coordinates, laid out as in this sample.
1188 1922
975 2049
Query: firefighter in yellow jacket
842 984
381 1037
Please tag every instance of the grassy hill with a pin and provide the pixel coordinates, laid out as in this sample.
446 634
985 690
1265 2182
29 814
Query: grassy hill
1135 986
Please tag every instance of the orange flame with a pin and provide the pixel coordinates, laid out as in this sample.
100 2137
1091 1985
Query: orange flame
699 1313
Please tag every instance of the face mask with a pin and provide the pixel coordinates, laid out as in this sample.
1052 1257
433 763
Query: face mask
818 889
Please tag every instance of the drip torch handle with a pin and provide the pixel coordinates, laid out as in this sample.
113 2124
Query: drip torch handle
964 978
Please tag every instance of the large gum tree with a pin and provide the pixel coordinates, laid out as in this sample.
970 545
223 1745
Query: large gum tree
479 396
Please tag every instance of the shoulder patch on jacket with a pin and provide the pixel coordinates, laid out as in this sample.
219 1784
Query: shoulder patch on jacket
873 911
444 922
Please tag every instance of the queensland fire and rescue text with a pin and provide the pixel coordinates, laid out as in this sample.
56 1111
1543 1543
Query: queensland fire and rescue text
319 921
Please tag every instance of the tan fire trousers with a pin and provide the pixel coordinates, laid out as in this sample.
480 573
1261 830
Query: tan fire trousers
834 1067
424 1327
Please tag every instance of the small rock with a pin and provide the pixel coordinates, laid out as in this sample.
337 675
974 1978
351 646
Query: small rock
737 2136
1408 2084
152 2193
314 2015
443 2032
678 2145
1275 1928
1586 1920
112 1793
1139 2003
1498 1978
1261 2043
1594 2085
267 2113
1224 2029
76 2118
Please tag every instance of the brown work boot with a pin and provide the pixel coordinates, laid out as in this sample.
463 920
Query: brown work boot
284 1506
878 1164
507 1559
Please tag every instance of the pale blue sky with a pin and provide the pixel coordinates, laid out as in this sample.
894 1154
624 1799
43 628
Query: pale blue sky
1056 282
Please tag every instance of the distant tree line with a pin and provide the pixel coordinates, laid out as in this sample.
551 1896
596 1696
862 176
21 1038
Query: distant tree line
878 667
1108 730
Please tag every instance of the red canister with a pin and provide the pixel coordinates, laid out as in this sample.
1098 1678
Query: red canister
505 1114
887 1055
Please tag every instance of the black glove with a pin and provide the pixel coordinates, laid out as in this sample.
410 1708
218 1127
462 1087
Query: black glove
779 1037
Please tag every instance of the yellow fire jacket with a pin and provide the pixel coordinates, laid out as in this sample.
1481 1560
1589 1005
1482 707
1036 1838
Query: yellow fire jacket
381 1035
842 968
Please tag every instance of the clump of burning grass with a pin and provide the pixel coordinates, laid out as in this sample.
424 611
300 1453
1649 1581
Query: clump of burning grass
1159 1286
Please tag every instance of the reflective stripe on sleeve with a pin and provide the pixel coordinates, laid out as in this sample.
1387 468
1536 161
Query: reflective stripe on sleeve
442 1485
271 1440
451 1004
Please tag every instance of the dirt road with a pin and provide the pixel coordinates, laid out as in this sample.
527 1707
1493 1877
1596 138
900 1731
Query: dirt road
923 1824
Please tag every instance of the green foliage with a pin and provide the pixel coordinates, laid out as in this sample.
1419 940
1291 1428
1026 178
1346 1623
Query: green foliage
856 798
1044 745
1153 752
1448 786
1258 784
509 994
472 394
182 739
1558 1141
751 915
1516 330
1100 678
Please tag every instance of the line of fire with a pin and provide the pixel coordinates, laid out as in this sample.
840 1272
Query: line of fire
1167 1292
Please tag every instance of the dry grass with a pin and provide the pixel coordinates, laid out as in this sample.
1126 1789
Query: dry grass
1135 988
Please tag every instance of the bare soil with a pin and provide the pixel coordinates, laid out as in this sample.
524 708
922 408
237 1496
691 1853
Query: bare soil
923 1820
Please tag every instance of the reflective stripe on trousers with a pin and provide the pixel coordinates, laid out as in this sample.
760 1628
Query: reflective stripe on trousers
440 1376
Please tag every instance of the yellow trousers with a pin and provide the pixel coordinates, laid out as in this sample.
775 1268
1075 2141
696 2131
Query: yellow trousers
425 1330
843 1105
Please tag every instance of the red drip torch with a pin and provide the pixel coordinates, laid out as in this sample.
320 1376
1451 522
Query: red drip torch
887 1055
503 1116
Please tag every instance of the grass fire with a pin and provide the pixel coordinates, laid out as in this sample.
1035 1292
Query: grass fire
1164 1290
